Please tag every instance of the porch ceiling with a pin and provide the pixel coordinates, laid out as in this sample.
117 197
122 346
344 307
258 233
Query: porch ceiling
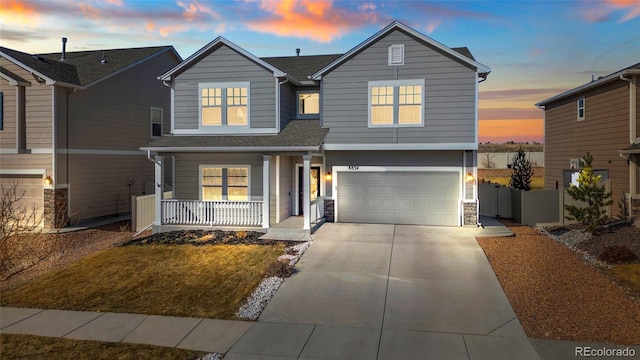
298 135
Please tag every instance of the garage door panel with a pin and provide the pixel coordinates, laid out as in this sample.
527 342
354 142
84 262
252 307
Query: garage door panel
428 198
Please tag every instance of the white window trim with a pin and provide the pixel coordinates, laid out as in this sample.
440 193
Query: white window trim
391 50
306 116
223 85
201 166
161 121
395 84
584 103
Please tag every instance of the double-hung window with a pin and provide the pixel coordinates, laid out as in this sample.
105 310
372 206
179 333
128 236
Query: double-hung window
224 104
224 183
396 103
581 109
156 122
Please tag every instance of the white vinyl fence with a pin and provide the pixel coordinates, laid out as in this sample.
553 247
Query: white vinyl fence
527 207
143 211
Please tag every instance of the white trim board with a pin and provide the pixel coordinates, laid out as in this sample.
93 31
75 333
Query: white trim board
22 171
335 170
296 184
395 146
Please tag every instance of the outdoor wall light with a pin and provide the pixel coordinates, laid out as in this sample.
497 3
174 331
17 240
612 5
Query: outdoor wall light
328 176
469 178
48 181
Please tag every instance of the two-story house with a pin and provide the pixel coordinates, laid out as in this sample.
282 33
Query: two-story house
385 133
599 117
72 123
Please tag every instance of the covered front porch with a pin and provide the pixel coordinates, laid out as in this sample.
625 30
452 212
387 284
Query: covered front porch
270 206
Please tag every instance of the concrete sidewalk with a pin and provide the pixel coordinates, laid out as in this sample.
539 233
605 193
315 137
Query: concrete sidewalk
214 336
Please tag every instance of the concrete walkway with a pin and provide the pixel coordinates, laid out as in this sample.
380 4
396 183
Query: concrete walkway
361 292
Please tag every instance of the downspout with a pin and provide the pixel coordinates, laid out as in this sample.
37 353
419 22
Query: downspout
632 131
278 84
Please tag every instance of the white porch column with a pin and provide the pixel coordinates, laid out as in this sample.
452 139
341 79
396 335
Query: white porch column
159 186
306 192
266 167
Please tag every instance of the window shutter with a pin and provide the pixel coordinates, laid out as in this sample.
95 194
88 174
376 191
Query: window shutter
396 55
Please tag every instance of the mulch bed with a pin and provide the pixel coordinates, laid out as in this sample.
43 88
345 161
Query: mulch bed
627 236
208 237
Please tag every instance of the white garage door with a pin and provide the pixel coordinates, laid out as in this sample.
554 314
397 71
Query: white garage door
424 198
29 187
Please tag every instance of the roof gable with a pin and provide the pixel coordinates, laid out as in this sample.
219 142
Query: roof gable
460 54
211 47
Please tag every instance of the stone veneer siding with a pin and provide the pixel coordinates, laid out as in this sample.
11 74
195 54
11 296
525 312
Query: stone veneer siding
470 215
55 208
328 210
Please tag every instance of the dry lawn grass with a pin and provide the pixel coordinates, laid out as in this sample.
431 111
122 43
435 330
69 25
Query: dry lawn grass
37 347
557 295
537 182
180 280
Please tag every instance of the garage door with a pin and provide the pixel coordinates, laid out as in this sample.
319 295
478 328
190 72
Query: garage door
29 187
424 198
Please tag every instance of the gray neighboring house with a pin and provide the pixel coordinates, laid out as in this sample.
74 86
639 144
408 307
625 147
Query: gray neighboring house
385 133
72 123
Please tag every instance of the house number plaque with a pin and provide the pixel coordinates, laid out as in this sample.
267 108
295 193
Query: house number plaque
354 167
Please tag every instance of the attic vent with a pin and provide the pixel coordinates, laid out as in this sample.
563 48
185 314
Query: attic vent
396 54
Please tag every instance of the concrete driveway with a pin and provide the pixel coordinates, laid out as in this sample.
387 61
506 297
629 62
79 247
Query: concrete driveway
389 292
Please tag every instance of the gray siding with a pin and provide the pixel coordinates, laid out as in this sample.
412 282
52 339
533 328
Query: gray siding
287 104
188 167
116 113
449 101
99 184
225 65
391 158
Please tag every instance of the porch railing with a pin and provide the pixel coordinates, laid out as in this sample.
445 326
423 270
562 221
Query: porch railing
317 210
193 212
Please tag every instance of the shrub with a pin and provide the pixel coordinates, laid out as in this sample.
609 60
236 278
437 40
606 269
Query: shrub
241 234
616 254
591 194
279 268
522 172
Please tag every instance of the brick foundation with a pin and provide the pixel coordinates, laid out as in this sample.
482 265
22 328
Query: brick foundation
470 215
55 208
328 210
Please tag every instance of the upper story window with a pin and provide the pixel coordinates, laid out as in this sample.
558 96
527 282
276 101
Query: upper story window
156 122
308 104
224 104
396 103
581 109
396 54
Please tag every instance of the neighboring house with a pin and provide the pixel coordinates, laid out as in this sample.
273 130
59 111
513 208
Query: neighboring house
385 133
600 117
72 123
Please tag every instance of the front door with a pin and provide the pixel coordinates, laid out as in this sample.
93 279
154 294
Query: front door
314 186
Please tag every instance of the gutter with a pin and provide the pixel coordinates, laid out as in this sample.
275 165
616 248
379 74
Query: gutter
230 149
633 119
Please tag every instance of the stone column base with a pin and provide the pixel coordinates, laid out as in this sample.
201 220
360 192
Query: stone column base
55 208
470 213
328 210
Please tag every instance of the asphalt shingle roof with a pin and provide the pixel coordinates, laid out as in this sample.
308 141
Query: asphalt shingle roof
82 67
301 67
298 133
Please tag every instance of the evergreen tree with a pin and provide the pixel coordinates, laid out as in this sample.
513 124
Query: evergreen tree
594 197
522 172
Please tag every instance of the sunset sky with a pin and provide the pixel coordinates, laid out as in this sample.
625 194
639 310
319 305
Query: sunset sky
535 49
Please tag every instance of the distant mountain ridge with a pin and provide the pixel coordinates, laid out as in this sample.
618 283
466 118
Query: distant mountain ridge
500 148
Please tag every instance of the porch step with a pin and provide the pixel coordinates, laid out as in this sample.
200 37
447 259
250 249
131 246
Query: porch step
287 234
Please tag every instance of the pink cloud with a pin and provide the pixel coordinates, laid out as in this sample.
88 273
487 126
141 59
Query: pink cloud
605 11
317 20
